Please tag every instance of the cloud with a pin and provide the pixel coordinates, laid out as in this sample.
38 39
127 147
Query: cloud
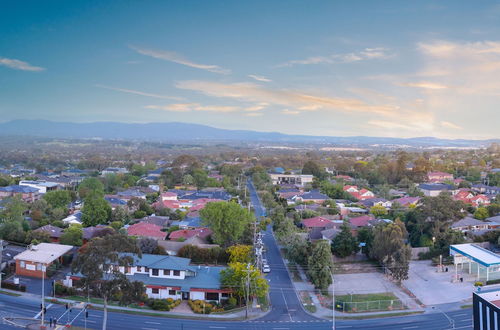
19 65
365 54
447 124
249 92
254 114
131 91
259 78
290 112
425 85
187 107
257 107
179 59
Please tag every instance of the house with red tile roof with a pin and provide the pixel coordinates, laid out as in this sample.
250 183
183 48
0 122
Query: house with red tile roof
361 221
480 200
406 201
350 189
317 222
144 229
168 196
439 176
202 233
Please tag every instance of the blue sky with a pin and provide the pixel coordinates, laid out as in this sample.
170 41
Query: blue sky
378 68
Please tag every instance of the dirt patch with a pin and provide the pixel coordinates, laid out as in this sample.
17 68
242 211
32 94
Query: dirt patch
355 267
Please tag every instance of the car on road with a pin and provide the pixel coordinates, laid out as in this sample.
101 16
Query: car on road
266 269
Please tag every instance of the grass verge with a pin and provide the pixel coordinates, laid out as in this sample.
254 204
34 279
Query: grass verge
8 293
376 316
466 306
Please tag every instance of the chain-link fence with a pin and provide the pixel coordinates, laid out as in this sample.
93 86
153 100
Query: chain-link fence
369 306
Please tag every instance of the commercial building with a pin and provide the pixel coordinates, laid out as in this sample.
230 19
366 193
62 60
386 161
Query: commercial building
292 179
171 277
37 258
475 263
486 310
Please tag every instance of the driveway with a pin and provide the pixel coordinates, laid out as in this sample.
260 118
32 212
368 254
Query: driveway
432 288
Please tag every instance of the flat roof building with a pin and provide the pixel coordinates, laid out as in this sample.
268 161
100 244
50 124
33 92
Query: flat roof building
486 310
476 263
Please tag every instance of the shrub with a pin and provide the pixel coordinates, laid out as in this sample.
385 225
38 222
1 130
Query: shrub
12 286
477 283
493 282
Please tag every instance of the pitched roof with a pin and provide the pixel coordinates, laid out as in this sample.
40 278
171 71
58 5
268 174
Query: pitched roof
360 221
146 230
44 253
405 201
187 233
53 231
319 221
314 194
468 221
19 189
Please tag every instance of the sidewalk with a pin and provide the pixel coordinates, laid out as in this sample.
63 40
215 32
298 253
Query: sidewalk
240 314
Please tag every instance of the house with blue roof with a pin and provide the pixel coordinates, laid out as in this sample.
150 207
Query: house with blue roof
171 277
28 194
434 189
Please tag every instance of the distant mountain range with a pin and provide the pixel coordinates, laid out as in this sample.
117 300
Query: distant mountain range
185 132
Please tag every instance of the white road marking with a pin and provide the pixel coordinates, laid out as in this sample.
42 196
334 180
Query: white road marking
281 328
413 327
150 322
212 327
40 313
463 314
149 329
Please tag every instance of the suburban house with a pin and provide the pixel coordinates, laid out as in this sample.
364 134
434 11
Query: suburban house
34 261
54 232
157 220
75 218
487 190
359 194
184 234
407 201
468 197
361 221
131 193
42 186
115 201
28 194
434 189
469 224
114 170
171 277
173 247
294 179
377 201
168 196
313 196
439 177
144 229
480 200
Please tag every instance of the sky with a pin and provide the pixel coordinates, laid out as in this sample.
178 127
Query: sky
336 68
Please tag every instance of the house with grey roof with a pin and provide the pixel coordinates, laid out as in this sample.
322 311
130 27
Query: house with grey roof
171 277
468 224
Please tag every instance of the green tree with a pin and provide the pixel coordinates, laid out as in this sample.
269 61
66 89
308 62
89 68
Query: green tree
227 220
89 185
311 167
378 210
73 235
58 198
441 211
320 265
95 211
365 235
240 253
97 263
344 244
390 250
235 277
297 249
481 213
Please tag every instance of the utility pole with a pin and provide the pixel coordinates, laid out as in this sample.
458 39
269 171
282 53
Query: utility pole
1 253
43 296
247 290
333 303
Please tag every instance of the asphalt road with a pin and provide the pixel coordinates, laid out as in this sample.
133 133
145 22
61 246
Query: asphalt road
25 307
286 311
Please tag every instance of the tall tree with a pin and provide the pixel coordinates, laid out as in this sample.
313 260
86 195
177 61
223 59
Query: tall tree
95 211
58 198
227 220
236 276
240 253
90 185
320 265
72 235
344 244
98 262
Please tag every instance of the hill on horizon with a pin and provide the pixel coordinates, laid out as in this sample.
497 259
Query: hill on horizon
176 131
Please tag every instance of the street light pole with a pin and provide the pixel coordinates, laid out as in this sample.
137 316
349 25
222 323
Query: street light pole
333 303
43 295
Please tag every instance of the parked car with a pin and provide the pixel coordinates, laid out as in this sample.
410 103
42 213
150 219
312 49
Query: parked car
266 269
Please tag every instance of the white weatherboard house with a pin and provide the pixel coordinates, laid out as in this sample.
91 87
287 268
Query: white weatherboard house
171 277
